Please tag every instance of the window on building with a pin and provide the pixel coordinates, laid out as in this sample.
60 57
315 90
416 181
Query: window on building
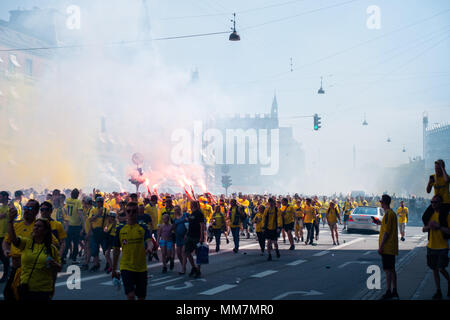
29 67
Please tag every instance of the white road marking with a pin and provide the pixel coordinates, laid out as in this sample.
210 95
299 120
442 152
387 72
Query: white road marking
305 293
422 285
346 244
159 264
264 274
64 283
159 279
321 253
296 262
350 262
163 282
187 285
218 289
368 252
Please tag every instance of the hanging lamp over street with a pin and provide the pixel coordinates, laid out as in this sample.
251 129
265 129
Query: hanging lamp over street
234 36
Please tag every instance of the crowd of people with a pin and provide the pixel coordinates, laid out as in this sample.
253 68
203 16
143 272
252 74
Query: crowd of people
41 232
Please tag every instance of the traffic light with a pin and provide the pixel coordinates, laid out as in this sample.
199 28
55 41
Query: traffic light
226 183
317 122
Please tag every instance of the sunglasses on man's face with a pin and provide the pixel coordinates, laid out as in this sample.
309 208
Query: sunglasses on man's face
28 208
46 209
434 202
132 211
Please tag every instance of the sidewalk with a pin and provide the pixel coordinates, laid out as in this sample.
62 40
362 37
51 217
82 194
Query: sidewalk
416 282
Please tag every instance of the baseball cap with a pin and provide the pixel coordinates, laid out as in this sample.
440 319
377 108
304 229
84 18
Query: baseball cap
112 214
5 194
99 199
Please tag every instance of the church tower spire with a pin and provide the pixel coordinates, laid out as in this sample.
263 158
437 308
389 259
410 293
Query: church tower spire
274 111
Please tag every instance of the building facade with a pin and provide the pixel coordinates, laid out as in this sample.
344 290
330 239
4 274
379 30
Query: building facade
258 154
436 142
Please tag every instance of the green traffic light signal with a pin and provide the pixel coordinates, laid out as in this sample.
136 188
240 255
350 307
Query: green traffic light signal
316 124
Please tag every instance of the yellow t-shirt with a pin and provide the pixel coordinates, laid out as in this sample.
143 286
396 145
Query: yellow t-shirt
333 212
441 188
245 203
58 214
389 225
259 222
348 206
309 214
324 208
41 279
98 219
72 212
219 220
87 214
22 230
298 212
132 238
232 214
402 212
437 240
269 214
19 210
58 230
287 214
4 210
207 212
152 211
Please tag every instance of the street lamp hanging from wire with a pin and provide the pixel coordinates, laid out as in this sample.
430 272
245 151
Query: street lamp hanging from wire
234 36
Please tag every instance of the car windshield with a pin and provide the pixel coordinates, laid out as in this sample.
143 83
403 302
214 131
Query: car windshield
365 211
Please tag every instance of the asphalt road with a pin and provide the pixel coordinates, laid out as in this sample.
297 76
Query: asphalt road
320 272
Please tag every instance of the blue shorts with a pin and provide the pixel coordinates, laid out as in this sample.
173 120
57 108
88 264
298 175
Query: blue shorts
180 240
164 243
96 241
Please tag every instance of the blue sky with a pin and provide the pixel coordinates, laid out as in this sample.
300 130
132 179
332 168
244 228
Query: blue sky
391 75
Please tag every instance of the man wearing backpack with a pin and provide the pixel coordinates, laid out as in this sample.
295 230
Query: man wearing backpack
237 215
272 227
437 226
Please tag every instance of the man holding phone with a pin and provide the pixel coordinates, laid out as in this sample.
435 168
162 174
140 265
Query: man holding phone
440 183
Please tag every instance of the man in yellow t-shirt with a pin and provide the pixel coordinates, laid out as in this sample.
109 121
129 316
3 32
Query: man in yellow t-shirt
218 225
272 227
96 237
73 215
134 240
348 207
287 216
440 182
56 226
437 248
332 217
243 201
258 219
402 213
388 246
309 214
298 221
236 216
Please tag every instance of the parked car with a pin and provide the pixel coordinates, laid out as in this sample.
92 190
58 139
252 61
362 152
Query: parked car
365 218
